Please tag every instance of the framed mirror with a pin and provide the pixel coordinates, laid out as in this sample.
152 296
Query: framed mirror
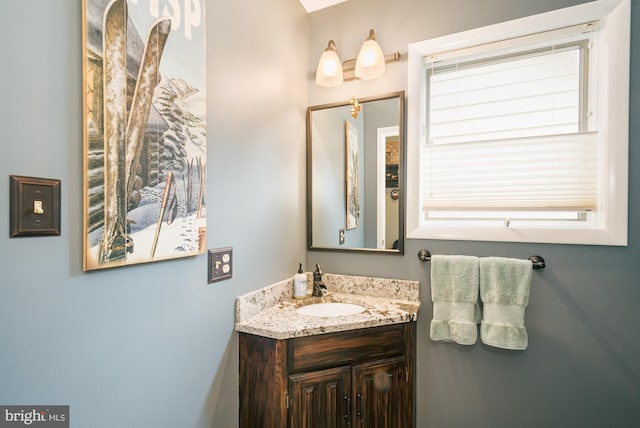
355 175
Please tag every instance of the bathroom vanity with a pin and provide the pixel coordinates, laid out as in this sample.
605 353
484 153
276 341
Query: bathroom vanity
301 371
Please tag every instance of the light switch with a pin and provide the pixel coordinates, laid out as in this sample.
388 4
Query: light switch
34 206
37 207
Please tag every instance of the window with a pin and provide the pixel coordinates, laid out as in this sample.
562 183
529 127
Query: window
520 132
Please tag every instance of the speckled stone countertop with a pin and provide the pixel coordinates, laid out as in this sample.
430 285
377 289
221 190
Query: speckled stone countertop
271 311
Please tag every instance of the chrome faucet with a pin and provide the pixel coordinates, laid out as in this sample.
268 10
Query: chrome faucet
319 289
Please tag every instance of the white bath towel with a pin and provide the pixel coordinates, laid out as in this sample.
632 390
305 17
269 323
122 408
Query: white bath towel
454 292
504 290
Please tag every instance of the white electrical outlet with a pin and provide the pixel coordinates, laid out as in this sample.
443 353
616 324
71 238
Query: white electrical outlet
220 266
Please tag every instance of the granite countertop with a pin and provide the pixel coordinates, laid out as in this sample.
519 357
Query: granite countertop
271 311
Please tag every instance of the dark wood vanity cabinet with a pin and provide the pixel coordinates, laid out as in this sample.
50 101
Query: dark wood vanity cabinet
358 378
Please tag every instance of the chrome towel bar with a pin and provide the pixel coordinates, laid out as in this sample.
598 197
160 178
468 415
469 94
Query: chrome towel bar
537 261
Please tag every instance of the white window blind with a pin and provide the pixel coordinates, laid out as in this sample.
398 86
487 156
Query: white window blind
518 131
526 174
508 133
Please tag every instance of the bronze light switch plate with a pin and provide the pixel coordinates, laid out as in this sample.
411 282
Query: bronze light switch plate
34 206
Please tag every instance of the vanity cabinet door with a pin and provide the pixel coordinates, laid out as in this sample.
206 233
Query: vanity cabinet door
320 399
382 394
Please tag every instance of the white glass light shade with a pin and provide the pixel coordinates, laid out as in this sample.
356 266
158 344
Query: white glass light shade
329 71
370 62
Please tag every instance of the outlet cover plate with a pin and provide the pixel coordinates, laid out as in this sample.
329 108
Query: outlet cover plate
220 264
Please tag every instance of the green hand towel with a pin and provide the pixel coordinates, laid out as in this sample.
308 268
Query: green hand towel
454 292
504 290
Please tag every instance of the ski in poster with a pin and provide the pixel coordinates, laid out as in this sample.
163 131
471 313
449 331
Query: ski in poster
145 151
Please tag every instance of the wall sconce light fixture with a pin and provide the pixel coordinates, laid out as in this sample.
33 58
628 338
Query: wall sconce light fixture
370 63
329 71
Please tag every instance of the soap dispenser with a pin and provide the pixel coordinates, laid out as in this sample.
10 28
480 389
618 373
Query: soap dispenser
299 283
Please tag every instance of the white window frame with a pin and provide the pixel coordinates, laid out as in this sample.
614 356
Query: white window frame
613 99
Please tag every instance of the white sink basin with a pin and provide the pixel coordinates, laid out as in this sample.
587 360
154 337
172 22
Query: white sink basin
330 309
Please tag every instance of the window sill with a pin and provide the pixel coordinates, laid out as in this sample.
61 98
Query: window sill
616 236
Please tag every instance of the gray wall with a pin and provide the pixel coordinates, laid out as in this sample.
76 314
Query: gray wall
581 368
329 185
150 345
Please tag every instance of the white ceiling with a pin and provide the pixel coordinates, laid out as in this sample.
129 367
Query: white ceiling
313 5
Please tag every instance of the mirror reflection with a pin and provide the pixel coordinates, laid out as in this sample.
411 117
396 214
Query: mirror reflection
355 196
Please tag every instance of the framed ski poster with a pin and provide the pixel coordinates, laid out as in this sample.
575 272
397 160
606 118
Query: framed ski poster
351 175
145 145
